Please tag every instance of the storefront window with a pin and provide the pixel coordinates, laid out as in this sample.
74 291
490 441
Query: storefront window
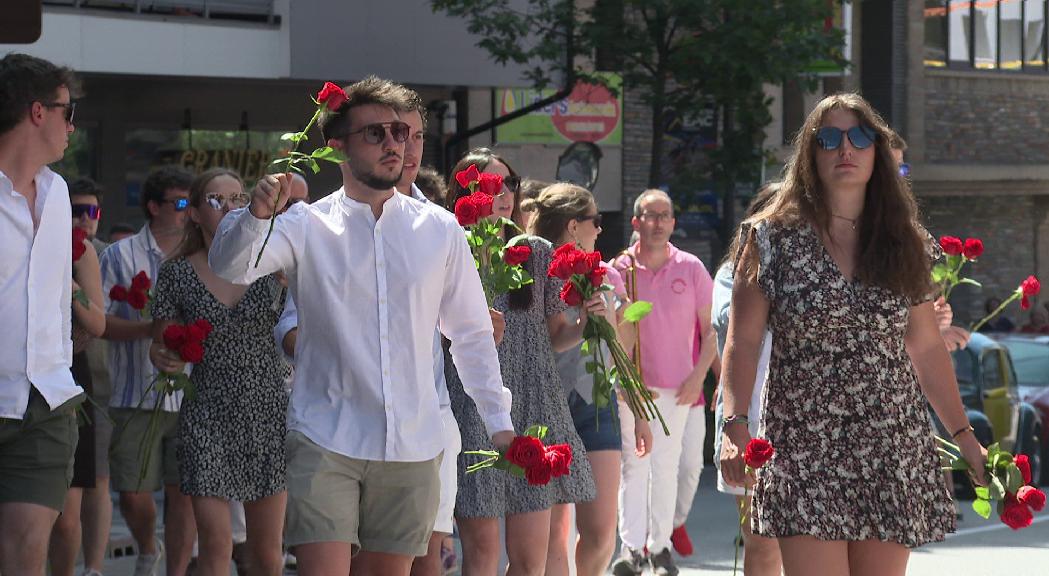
247 152
1034 33
1010 34
958 33
986 34
935 33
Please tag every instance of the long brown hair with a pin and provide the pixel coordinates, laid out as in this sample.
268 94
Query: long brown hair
556 206
480 157
892 251
193 238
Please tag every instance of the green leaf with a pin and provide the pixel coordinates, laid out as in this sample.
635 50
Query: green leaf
536 431
996 489
939 272
293 136
982 492
969 281
636 311
314 166
982 507
1014 478
328 153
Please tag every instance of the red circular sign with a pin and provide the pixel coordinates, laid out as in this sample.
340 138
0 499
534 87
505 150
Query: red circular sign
589 114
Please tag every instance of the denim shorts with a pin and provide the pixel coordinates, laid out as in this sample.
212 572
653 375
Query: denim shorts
598 428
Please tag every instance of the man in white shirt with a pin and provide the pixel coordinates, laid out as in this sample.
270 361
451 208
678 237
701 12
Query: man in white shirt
165 202
38 431
373 273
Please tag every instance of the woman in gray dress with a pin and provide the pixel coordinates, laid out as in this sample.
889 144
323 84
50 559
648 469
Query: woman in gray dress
536 326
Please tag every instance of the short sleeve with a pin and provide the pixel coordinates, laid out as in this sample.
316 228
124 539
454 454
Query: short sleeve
757 235
704 286
542 254
167 302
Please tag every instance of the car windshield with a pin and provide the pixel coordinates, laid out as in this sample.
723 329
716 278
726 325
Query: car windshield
1031 360
963 370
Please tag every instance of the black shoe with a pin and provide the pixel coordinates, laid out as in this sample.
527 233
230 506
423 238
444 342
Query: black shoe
663 564
631 563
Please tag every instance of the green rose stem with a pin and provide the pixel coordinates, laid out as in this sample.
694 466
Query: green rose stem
976 327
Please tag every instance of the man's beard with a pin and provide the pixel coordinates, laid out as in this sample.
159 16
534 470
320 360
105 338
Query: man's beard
374 181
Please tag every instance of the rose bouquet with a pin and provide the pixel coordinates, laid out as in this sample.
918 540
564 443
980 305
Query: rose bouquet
756 454
956 254
330 97
188 341
499 263
1008 484
584 274
528 458
1028 288
136 295
79 237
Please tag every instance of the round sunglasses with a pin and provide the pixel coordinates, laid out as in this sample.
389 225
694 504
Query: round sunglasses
376 133
829 137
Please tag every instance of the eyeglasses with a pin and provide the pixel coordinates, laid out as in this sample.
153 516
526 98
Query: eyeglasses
829 137
93 211
220 202
376 133
595 217
510 184
180 204
70 108
905 169
656 216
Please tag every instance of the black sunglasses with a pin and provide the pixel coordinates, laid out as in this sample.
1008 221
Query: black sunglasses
829 137
595 217
376 133
70 109
93 211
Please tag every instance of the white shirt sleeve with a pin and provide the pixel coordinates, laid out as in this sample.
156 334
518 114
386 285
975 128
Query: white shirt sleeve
289 320
239 239
464 320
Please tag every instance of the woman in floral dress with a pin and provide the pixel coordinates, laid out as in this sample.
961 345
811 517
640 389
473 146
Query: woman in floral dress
837 267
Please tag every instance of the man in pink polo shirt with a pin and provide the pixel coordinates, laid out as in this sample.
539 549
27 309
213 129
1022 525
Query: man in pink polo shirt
681 289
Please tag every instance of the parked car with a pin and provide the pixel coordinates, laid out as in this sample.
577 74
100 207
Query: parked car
989 388
1030 355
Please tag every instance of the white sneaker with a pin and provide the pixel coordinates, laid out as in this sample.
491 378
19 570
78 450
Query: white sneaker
147 564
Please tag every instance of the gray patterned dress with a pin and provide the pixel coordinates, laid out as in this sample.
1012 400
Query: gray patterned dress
526 360
842 406
231 436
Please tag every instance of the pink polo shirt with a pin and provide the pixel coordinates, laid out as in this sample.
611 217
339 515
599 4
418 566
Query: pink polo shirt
677 291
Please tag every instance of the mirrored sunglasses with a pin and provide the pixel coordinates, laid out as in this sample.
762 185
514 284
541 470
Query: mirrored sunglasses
829 137
93 211
376 133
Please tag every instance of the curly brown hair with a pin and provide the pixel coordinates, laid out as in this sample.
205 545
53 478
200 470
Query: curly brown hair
892 251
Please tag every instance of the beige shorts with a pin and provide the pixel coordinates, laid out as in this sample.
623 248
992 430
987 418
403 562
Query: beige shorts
125 451
386 507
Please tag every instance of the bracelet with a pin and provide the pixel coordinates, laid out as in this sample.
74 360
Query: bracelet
962 430
741 418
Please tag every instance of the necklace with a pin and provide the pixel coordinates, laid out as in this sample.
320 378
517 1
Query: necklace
851 221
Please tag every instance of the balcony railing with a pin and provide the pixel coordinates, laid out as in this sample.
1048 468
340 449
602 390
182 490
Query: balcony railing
249 10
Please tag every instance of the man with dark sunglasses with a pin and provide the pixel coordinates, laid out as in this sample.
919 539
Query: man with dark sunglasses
38 396
165 197
372 272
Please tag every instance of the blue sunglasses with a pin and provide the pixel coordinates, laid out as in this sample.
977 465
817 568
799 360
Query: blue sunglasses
829 137
180 204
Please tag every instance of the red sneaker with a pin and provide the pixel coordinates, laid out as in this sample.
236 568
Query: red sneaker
682 543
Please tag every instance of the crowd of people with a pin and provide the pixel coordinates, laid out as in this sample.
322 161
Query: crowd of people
353 362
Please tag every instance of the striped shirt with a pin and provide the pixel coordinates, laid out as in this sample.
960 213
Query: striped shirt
130 369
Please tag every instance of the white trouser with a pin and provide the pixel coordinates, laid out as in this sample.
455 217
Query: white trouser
648 492
691 465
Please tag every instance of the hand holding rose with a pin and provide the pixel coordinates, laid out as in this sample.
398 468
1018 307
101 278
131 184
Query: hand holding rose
270 195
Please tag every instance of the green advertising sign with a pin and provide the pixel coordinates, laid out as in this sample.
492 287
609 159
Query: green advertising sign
589 114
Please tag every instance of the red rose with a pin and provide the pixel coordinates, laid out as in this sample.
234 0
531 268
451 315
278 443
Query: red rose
525 451
204 326
1016 514
466 212
174 336
581 263
540 474
79 236
483 202
516 255
597 276
1028 288
951 246
331 95
561 264
465 177
1032 497
594 259
137 299
1024 464
192 352
197 333
490 184
758 452
118 293
141 282
571 295
973 248
560 458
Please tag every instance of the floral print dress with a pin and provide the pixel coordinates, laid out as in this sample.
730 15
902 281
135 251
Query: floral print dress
854 459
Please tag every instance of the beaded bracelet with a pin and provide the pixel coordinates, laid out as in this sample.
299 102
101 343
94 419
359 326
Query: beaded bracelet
963 429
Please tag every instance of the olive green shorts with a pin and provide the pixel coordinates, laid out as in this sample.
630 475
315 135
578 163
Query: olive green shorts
376 506
36 453
126 451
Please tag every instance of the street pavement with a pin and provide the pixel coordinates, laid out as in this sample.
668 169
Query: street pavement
979 548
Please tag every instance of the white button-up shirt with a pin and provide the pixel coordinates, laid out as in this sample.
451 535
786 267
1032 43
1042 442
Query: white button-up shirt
370 293
131 371
36 272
